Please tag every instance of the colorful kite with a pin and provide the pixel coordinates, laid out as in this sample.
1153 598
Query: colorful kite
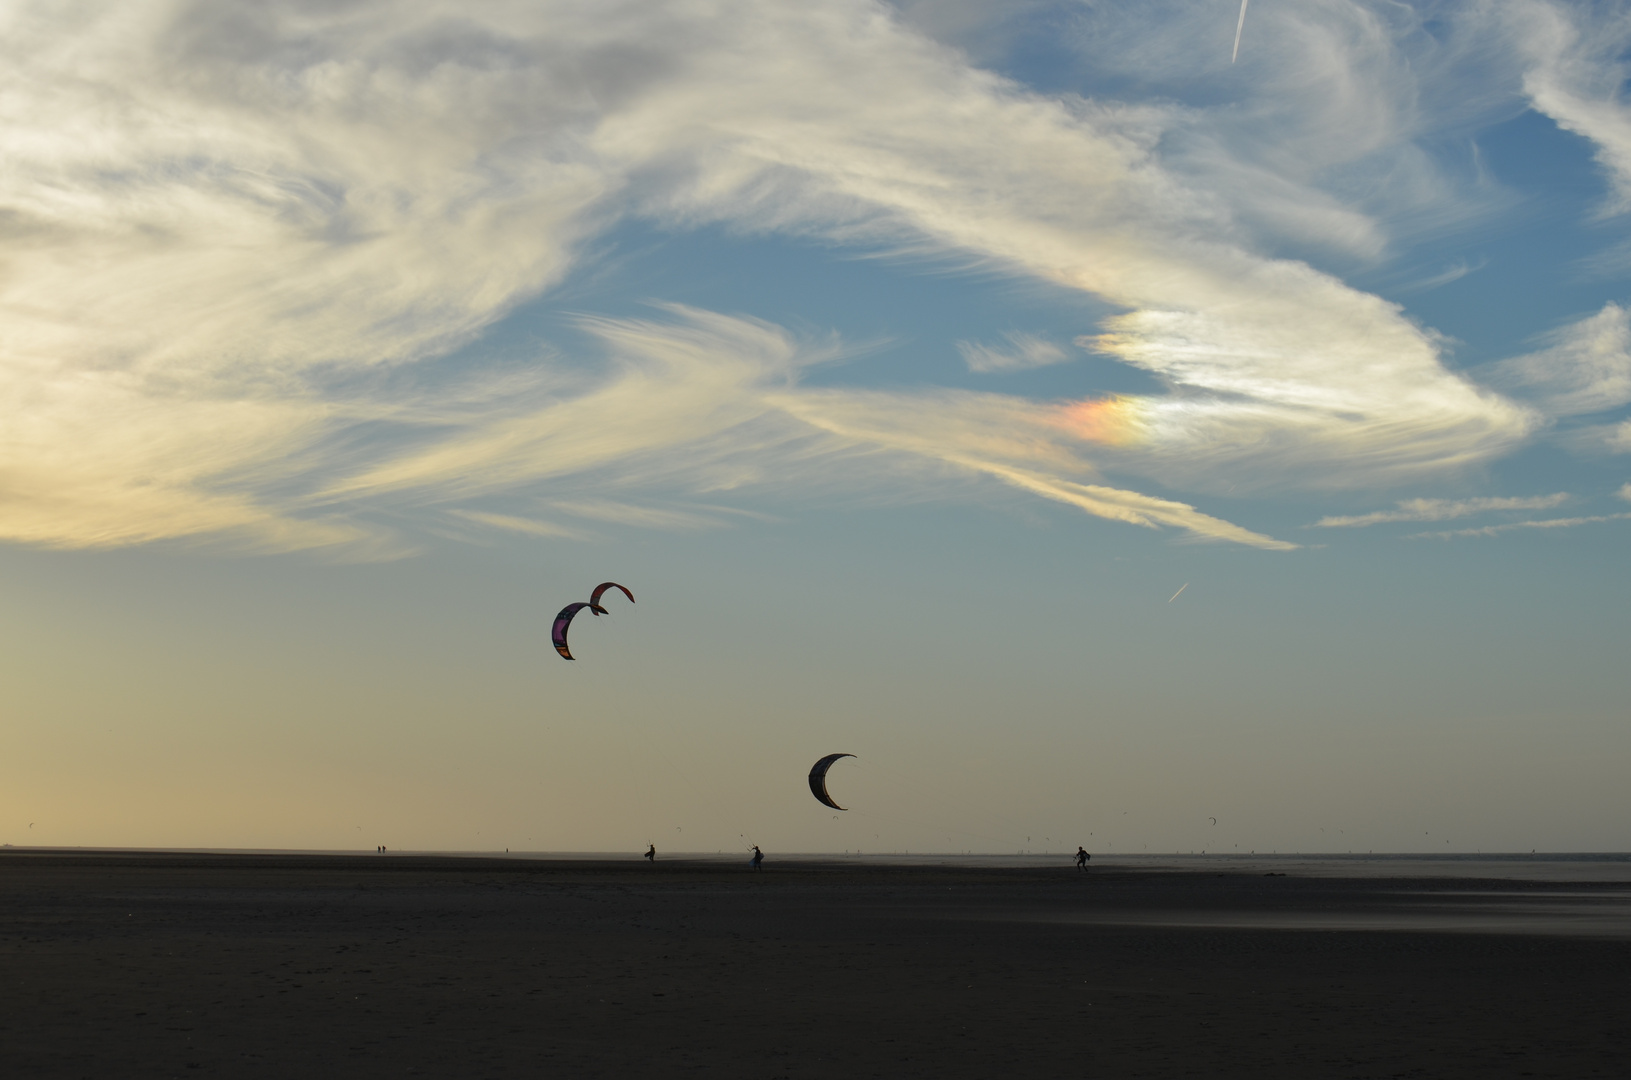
562 622
600 590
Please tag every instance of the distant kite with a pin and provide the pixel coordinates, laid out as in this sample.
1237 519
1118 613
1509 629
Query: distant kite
562 622
818 779
1181 588
1214 821
1239 26
600 590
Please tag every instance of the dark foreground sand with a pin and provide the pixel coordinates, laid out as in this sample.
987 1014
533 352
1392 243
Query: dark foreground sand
283 966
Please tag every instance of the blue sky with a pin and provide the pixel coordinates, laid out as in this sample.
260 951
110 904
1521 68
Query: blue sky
903 360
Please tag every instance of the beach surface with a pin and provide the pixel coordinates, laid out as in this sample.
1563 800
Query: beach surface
153 964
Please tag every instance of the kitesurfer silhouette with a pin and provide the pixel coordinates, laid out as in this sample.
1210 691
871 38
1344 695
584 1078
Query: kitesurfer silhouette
1081 858
651 853
758 857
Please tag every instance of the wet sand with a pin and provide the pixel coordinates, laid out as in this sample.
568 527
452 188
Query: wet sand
152 965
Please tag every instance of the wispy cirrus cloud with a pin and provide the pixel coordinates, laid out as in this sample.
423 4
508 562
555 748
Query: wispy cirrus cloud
1331 132
1452 273
1285 376
1585 368
211 209
645 517
1515 526
1020 353
1441 510
220 215
718 396
1005 439
525 525
1576 74
687 381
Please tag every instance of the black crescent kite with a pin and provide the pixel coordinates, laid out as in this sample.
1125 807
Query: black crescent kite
600 590
563 622
818 779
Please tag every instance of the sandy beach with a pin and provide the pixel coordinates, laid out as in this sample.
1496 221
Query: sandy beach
159 965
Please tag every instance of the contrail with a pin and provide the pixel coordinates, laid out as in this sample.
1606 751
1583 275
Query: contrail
1239 26
1181 588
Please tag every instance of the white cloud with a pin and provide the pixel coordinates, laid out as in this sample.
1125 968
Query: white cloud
1332 129
1002 438
645 517
208 206
226 223
714 400
1496 530
96 459
1287 375
527 526
1625 492
1022 352
1300 381
1585 369
673 384
1442 510
1576 72
1452 273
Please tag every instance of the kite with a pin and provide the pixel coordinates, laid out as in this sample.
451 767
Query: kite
600 590
562 622
818 779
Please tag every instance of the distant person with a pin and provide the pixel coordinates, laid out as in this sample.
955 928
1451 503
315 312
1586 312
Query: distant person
758 857
1081 858
651 853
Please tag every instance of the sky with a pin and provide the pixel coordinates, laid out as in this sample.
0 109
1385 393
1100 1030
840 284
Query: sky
1095 435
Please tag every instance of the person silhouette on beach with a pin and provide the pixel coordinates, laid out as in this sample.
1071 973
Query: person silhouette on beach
758 857
651 853
1081 858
